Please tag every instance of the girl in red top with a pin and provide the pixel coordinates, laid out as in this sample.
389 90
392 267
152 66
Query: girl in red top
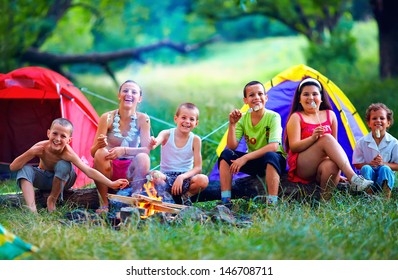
314 155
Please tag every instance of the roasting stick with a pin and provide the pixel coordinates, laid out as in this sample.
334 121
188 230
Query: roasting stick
313 104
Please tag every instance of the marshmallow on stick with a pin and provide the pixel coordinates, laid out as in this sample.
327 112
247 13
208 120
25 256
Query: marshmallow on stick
313 104
377 132
255 109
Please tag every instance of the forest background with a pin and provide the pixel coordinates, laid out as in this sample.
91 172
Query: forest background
204 52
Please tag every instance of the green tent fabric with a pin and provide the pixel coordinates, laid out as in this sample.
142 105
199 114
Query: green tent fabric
12 247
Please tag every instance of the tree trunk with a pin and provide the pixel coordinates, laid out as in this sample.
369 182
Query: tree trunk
84 198
385 12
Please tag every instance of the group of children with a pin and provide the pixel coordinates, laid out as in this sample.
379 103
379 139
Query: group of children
123 143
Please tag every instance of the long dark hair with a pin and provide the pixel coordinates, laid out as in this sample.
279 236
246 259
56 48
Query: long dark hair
297 107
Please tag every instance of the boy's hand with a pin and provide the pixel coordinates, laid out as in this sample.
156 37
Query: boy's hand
235 116
152 143
377 161
156 177
237 164
176 189
120 184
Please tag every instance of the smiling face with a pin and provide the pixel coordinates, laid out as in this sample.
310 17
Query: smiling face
59 136
186 119
378 121
309 95
255 97
129 94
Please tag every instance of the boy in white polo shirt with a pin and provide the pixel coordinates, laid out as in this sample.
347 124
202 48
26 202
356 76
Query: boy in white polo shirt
376 154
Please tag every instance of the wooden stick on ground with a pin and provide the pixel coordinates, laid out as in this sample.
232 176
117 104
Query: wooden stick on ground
158 205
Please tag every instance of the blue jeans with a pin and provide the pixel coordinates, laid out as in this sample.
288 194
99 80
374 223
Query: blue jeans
378 175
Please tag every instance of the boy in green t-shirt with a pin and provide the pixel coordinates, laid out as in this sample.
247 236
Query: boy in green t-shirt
263 135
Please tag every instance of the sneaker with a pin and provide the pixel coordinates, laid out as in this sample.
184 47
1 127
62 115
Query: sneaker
359 183
226 202
228 205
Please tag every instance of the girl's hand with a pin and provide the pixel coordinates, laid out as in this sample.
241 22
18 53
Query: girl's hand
318 132
115 153
102 141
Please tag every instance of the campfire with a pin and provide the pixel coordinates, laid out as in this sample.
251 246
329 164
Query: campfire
149 204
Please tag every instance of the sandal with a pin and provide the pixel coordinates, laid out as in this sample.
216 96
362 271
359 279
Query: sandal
102 209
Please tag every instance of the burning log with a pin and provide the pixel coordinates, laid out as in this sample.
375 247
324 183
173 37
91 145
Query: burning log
147 205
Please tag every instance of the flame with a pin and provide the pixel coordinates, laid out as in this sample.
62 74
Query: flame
151 191
148 207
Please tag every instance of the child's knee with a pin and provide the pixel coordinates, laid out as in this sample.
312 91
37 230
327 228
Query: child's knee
62 170
25 173
366 169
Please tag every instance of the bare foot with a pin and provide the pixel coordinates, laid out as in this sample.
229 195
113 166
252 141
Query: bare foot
51 202
32 208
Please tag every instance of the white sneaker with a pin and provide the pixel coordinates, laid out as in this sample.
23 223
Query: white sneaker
359 183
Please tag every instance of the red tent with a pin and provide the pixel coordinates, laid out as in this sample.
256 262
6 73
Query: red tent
30 99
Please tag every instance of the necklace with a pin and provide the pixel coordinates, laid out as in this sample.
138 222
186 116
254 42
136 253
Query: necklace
131 134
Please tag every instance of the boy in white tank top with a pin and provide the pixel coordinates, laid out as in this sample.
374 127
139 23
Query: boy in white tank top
181 158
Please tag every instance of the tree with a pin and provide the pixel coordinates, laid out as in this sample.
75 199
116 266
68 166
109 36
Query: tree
63 32
312 18
326 24
385 12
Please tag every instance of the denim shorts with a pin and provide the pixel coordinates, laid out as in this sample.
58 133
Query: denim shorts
172 176
43 179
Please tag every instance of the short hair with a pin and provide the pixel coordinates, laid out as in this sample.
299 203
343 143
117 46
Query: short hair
63 122
251 84
379 106
130 81
188 105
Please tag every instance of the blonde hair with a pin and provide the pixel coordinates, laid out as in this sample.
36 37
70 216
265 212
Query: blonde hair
188 105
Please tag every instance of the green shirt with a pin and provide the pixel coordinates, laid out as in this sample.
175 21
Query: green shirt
268 130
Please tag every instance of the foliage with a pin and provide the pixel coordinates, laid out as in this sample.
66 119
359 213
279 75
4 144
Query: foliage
81 27
19 27
373 91
337 53
312 18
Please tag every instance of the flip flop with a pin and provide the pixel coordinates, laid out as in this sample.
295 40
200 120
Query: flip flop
102 209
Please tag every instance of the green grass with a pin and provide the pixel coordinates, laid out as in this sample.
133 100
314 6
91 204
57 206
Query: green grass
347 227
344 228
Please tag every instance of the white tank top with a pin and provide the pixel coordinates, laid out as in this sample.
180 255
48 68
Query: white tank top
174 159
